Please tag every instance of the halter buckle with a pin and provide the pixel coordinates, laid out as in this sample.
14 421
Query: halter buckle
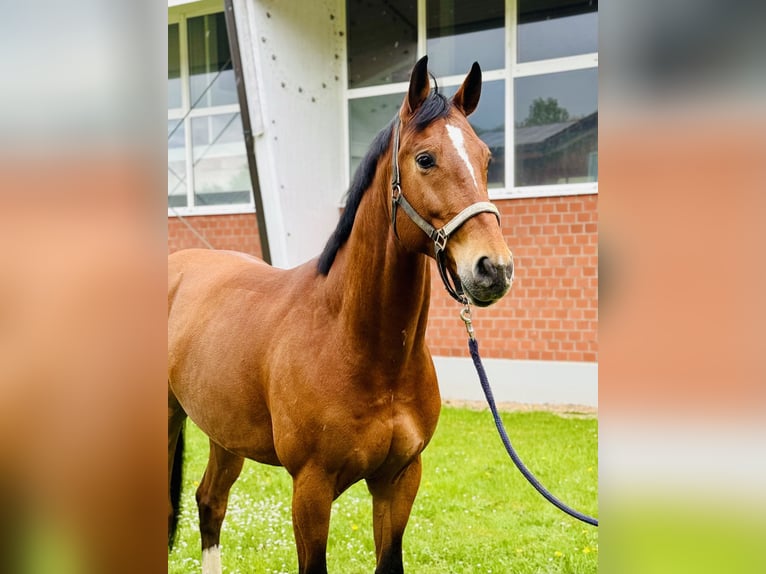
440 240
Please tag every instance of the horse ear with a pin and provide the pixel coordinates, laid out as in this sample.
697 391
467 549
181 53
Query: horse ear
467 97
420 85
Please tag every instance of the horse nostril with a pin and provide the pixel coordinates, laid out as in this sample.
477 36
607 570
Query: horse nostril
485 270
489 274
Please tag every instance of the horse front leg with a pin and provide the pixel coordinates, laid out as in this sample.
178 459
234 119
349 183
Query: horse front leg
392 500
313 493
223 469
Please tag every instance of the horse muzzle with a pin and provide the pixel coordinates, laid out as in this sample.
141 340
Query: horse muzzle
487 280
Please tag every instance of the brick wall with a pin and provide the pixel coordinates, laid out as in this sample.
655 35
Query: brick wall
238 232
551 313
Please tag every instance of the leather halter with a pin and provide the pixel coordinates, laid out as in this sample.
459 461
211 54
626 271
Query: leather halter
438 236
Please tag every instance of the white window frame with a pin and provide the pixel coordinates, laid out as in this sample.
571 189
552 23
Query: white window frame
178 13
509 74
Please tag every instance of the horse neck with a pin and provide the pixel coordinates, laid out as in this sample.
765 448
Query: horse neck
384 289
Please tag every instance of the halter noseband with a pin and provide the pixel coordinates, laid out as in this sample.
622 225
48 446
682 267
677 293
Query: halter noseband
438 236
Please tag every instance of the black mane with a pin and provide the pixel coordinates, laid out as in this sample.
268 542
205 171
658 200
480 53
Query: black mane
435 106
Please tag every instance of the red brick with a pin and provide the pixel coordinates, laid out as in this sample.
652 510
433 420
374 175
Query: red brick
217 230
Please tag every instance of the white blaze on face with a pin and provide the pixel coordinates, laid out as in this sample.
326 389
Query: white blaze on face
211 560
456 135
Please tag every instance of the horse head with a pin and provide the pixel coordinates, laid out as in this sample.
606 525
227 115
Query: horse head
439 178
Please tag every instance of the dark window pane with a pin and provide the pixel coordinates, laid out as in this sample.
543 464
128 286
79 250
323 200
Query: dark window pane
461 33
557 28
488 120
174 67
366 117
382 41
209 54
556 132
221 174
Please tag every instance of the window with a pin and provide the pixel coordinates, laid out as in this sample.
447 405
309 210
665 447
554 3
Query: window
367 116
207 162
556 29
555 97
459 33
382 41
539 107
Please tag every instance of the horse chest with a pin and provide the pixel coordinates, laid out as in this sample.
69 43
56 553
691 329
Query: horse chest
409 420
406 435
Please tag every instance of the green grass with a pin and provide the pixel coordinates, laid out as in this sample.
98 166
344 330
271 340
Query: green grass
474 512
663 531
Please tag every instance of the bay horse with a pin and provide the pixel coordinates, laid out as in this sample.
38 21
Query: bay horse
324 369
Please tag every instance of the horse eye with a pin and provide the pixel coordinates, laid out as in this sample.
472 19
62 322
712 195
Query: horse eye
425 160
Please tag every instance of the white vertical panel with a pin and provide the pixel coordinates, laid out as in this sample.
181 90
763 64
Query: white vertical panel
297 50
247 55
345 128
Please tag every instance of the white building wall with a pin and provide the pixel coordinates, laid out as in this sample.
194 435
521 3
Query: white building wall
534 382
293 60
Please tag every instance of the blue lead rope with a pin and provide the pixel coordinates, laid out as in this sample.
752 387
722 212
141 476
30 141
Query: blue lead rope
473 346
